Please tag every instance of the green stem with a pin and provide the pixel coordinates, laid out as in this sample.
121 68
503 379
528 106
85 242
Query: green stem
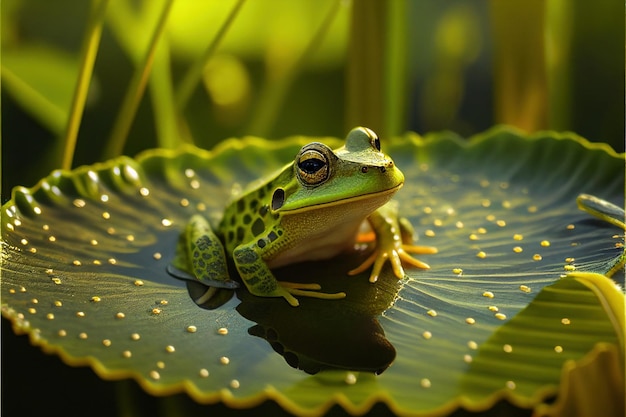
88 58
366 50
273 93
559 32
135 92
395 69
521 85
193 76
48 113
169 133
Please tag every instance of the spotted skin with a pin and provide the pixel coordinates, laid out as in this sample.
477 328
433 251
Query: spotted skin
257 277
208 261
250 220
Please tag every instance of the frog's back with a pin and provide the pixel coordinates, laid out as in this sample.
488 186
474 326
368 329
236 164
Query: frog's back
249 215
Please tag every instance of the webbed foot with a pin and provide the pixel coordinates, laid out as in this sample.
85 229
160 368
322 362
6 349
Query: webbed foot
394 243
397 256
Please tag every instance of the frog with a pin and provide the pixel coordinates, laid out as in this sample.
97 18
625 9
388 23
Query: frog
314 208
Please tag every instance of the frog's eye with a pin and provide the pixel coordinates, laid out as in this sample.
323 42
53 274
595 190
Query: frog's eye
312 167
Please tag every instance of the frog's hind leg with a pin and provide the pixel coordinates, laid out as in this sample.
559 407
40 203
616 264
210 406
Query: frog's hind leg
261 282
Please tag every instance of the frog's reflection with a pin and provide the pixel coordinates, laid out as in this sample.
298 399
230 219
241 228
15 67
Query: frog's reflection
321 334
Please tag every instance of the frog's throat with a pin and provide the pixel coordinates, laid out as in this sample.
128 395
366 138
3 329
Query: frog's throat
379 194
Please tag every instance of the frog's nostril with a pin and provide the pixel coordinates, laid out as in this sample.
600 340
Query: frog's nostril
388 165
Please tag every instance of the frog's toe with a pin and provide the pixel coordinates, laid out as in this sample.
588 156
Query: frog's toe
208 298
420 250
307 290
201 294
293 301
300 285
365 265
408 259
396 265
378 259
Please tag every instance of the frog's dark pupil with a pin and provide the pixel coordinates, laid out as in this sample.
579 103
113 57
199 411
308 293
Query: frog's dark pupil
311 165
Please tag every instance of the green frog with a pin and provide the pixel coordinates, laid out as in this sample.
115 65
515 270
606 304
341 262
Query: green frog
312 209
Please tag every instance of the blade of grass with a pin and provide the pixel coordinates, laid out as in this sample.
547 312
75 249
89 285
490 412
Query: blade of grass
521 86
46 112
193 76
135 91
395 69
366 56
273 93
376 76
129 24
169 135
559 22
88 58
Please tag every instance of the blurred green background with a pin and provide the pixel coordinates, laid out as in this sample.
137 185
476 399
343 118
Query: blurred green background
311 67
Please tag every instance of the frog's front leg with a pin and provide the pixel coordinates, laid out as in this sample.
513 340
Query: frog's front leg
261 282
394 238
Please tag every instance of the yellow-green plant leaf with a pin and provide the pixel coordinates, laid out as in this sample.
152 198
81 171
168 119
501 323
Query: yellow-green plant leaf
566 319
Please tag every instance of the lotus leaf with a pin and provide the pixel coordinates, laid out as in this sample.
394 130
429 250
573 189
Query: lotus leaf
495 318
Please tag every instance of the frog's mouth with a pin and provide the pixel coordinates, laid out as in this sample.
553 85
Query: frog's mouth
370 202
